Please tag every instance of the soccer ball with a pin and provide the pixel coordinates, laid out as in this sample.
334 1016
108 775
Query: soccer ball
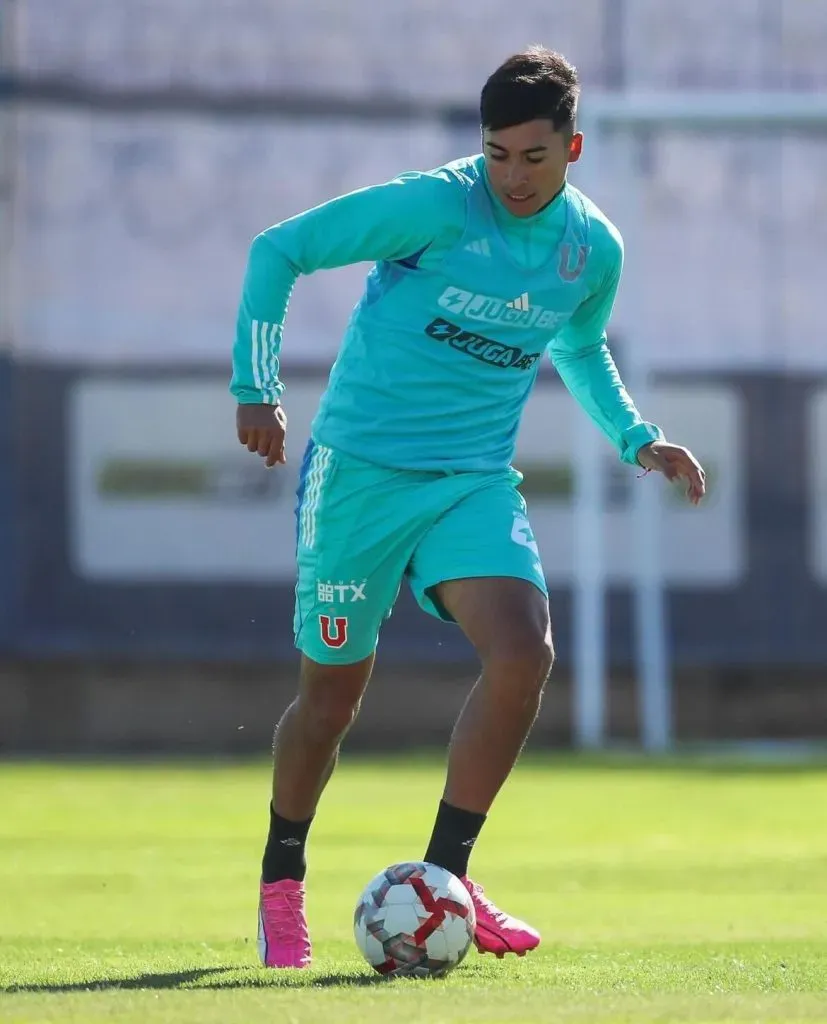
414 920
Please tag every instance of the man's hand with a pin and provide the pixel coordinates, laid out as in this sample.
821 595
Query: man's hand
261 428
675 463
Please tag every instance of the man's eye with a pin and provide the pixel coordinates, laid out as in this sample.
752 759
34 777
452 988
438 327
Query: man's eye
535 159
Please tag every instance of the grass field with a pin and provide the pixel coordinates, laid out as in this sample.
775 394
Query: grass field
667 892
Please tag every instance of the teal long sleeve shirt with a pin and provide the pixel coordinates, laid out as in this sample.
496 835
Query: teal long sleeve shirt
440 354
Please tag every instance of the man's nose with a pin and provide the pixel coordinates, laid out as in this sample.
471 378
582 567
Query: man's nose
515 176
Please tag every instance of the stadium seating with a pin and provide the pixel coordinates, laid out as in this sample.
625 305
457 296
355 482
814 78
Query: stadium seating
424 46
728 217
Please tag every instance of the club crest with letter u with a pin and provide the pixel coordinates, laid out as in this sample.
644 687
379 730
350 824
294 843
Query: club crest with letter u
333 630
564 268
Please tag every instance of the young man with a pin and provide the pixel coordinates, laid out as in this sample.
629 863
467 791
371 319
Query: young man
480 267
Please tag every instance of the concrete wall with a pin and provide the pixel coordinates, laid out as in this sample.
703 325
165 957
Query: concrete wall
97 708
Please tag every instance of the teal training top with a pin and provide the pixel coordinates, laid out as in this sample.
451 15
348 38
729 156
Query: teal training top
440 354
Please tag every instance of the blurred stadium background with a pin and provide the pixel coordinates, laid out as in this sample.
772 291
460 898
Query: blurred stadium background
142 145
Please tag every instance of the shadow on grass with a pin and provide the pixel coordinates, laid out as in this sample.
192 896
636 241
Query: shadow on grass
206 978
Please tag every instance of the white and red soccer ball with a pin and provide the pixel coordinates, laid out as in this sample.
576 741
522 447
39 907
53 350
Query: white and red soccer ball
415 920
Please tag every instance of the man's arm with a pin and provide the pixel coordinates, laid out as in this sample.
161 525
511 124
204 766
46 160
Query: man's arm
585 364
581 356
383 222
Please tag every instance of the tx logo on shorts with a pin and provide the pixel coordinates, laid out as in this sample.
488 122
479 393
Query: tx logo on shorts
331 593
334 633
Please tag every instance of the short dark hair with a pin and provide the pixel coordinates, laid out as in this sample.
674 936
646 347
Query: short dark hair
537 83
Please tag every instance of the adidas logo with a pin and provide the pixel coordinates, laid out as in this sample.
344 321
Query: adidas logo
480 247
521 303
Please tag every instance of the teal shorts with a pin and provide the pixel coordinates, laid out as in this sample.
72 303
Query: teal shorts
362 529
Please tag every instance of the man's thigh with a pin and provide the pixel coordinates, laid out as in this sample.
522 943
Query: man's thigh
505 618
486 534
356 530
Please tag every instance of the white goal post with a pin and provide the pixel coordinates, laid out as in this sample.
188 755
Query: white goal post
697 111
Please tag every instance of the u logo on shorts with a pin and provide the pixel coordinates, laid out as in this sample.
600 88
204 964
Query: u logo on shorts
338 638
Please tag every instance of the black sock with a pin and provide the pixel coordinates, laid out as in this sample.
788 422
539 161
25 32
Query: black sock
284 852
454 835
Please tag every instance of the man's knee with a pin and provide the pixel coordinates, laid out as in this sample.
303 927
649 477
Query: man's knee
507 620
523 655
518 645
329 718
330 696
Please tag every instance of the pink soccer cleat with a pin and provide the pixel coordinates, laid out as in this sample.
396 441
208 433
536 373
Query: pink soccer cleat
283 938
497 932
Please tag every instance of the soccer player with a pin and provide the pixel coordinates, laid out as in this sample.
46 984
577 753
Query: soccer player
480 267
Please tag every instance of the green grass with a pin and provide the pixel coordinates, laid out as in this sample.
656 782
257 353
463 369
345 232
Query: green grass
665 892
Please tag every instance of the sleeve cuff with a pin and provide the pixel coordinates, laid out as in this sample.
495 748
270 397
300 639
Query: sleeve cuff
252 396
635 438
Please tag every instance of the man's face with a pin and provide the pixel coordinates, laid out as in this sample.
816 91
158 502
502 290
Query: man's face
527 163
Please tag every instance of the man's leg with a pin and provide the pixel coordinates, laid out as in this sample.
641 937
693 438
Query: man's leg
305 751
507 621
479 566
355 537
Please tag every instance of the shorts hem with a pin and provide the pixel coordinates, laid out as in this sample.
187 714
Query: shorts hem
335 656
432 608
